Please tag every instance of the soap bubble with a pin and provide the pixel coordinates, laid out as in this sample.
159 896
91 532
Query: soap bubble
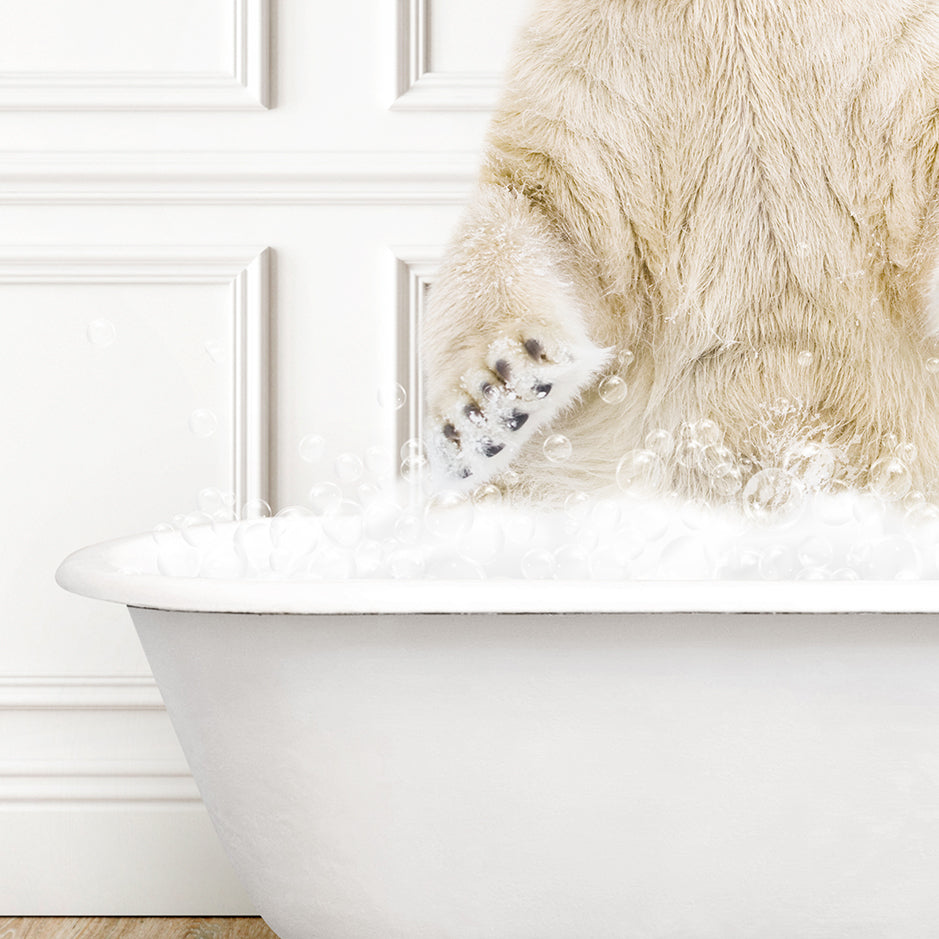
772 495
609 562
392 397
198 529
778 562
101 333
413 448
557 448
907 452
890 558
835 506
211 501
406 563
415 469
612 389
577 505
369 558
726 480
625 358
538 564
811 463
163 534
487 495
408 529
706 432
344 524
890 478
349 468
312 448
814 551
203 422
448 515
379 462
660 442
572 562
805 358
255 508
640 471
252 543
484 542
325 498
932 365
685 558
689 453
220 562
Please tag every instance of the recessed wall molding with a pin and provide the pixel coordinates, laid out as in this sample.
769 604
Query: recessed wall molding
417 266
114 782
245 87
79 693
244 270
422 89
246 178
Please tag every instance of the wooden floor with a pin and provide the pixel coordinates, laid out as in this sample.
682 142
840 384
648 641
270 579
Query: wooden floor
132 927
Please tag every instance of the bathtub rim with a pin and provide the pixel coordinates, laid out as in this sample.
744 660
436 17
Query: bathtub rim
93 572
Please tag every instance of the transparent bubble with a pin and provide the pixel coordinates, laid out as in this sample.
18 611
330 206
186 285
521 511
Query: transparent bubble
612 389
325 498
101 333
810 462
660 442
203 422
577 505
890 478
345 523
252 542
726 480
510 478
907 452
211 501
379 462
812 573
932 365
295 531
689 453
625 358
572 562
805 358
845 573
312 448
610 562
557 448
640 471
454 567
685 558
778 562
487 495
650 520
696 514
406 563
448 515
772 495
255 508
923 521
349 468
415 469
538 564
484 542
198 529
220 562
214 350
413 448
408 529
392 397
706 432
163 534
369 558
814 551
885 559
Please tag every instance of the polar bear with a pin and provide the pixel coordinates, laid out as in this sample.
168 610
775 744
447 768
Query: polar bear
704 231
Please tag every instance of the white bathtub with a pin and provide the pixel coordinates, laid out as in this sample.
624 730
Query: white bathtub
387 760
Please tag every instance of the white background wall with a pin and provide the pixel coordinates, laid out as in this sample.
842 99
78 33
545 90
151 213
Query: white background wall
176 177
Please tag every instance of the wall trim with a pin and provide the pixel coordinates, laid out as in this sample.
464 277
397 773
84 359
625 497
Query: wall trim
79 693
244 269
244 88
217 178
419 88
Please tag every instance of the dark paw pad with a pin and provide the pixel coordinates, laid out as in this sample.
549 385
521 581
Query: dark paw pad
503 369
535 349
541 389
451 433
491 448
515 420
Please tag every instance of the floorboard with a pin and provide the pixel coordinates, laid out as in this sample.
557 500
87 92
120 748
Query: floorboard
133 927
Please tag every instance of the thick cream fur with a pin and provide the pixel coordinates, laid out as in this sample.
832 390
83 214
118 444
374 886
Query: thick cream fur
717 186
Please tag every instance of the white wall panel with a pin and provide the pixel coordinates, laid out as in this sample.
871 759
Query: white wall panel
134 54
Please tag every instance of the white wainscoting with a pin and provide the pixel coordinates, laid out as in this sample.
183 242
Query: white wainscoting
202 203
